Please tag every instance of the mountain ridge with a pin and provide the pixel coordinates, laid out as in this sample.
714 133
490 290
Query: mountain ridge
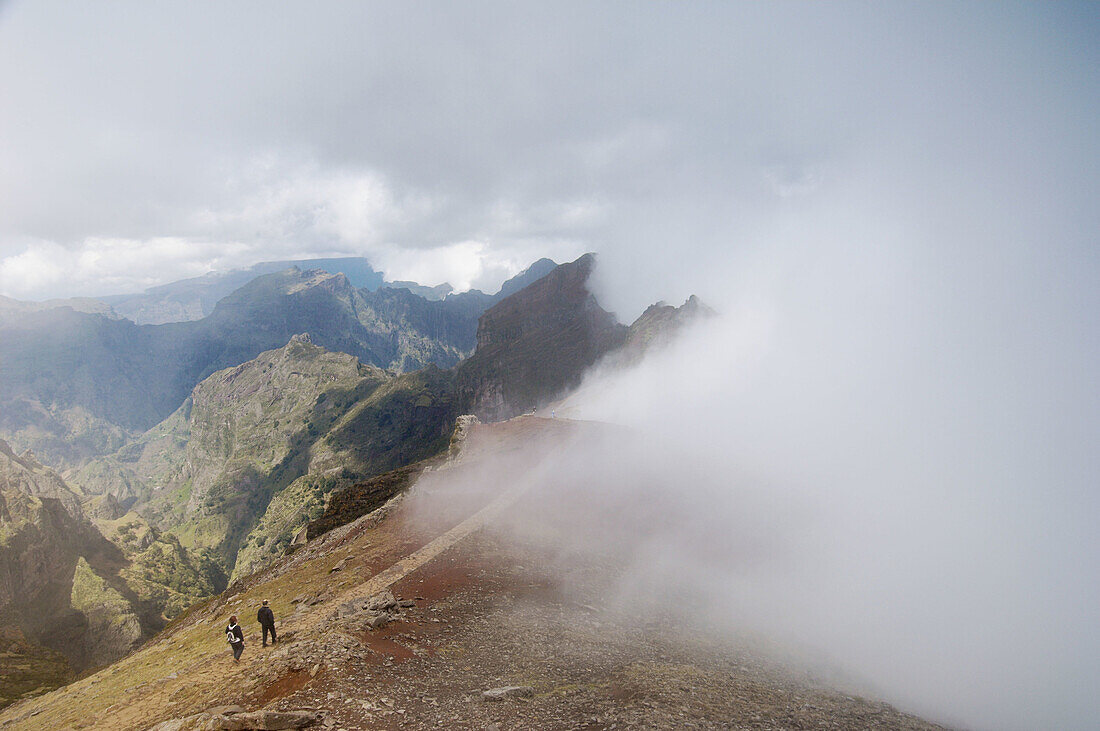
73 385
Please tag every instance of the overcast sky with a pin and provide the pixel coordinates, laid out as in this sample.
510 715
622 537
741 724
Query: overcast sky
144 142
896 205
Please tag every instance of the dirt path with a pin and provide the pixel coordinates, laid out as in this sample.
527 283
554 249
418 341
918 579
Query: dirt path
488 612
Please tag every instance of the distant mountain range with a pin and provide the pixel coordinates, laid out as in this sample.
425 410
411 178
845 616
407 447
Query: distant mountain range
74 383
196 298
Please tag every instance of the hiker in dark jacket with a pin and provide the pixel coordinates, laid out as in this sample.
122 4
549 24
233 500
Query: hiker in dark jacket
235 637
266 618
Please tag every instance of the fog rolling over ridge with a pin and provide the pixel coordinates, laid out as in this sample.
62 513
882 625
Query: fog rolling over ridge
910 418
848 483
905 375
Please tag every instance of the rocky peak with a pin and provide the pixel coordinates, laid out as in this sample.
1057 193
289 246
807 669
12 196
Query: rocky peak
537 343
657 327
318 278
528 276
547 304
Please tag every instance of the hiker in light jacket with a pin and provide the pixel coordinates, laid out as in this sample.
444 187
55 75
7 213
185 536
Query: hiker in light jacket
235 637
266 618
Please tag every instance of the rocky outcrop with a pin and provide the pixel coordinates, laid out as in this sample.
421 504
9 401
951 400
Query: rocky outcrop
361 498
463 425
509 691
27 475
536 344
241 721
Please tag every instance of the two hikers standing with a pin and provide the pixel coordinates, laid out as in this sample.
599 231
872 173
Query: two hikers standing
234 635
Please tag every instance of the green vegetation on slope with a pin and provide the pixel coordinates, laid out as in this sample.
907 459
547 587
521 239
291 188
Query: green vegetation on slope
28 669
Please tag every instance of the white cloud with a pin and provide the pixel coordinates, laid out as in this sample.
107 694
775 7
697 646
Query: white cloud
459 264
99 266
277 207
791 180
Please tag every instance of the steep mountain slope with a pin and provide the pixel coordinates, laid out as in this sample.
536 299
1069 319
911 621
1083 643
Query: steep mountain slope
535 344
249 457
297 436
421 613
69 597
251 428
39 546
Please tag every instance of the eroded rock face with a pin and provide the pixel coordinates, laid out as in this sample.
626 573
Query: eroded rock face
382 601
463 425
39 542
42 533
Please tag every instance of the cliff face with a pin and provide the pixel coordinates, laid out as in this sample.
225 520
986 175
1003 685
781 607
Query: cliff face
37 556
535 344
41 544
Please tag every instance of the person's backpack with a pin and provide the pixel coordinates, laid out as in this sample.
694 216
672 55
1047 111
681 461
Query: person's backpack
231 637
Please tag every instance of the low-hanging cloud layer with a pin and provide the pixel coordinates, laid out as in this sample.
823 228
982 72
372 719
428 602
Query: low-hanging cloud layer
664 137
